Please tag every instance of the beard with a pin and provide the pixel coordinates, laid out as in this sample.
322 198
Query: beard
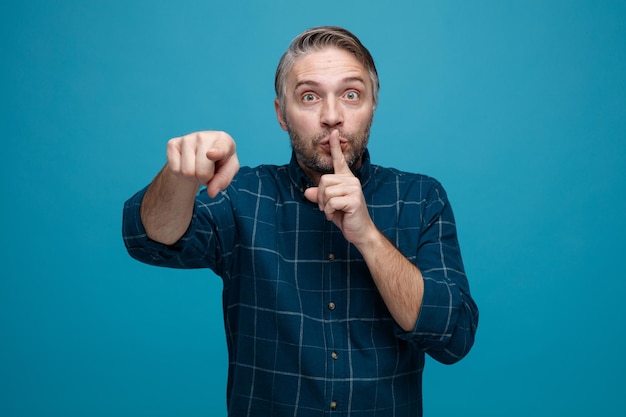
309 156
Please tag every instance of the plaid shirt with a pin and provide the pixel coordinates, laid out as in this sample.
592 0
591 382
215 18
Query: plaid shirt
308 333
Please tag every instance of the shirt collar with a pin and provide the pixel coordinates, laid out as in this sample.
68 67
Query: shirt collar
302 182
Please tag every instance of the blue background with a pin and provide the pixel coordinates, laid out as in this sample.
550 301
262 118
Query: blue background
518 107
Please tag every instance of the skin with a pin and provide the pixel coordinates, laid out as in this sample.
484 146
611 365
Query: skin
327 90
328 113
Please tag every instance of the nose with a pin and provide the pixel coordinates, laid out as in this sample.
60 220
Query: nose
332 115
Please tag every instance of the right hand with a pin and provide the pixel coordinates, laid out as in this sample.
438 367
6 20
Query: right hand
208 158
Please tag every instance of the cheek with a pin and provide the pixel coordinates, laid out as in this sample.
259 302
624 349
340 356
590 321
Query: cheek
365 120
304 123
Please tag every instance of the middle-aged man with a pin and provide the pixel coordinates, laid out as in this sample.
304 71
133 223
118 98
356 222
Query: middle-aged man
339 275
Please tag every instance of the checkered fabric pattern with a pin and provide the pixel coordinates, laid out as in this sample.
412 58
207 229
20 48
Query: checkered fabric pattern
308 333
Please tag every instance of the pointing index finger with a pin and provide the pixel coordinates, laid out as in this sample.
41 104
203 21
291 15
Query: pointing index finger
340 165
220 149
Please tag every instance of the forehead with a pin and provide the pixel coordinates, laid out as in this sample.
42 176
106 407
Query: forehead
325 65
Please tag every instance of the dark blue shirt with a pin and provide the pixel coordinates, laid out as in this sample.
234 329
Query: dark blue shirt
308 333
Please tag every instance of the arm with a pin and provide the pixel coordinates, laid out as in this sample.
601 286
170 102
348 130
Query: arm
431 304
192 160
448 318
399 282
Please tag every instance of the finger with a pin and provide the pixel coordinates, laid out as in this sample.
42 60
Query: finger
174 155
188 156
223 154
222 147
339 161
216 153
225 171
312 194
205 168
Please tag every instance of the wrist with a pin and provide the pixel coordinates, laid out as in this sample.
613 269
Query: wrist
372 242
182 184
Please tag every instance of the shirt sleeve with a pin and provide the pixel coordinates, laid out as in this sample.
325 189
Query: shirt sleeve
448 317
200 247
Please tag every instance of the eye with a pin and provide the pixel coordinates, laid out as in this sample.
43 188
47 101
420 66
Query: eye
352 95
308 97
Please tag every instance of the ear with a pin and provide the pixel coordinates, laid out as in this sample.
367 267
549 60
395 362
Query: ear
279 115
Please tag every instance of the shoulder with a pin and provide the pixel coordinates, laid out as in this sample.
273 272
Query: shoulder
261 170
262 180
250 185
264 174
407 181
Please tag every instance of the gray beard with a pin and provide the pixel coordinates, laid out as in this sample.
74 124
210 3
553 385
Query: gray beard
317 164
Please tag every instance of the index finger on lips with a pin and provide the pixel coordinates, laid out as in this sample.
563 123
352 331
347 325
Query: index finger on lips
340 165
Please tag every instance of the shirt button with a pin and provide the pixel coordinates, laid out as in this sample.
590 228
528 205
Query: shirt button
331 257
331 306
333 405
334 355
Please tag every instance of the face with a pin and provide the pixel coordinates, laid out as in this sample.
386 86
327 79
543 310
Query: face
327 90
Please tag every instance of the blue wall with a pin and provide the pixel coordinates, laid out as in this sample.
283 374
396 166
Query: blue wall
518 107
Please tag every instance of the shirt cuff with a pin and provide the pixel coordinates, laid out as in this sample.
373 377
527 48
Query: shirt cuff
437 316
137 242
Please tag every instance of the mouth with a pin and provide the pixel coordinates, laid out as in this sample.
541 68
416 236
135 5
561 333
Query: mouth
325 144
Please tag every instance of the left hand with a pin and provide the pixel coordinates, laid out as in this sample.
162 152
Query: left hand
340 197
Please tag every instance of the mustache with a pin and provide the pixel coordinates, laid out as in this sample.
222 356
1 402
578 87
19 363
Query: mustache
326 133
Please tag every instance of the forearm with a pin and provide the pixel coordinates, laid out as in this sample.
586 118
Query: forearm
399 282
167 207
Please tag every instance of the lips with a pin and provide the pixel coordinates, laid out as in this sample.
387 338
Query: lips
326 146
325 143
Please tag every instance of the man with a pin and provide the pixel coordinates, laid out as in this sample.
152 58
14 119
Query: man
338 274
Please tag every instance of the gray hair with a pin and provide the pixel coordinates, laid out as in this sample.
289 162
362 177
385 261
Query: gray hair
318 38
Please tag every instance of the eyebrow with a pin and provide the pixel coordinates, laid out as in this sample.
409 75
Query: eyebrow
313 83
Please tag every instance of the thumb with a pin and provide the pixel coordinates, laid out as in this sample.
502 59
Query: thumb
311 194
